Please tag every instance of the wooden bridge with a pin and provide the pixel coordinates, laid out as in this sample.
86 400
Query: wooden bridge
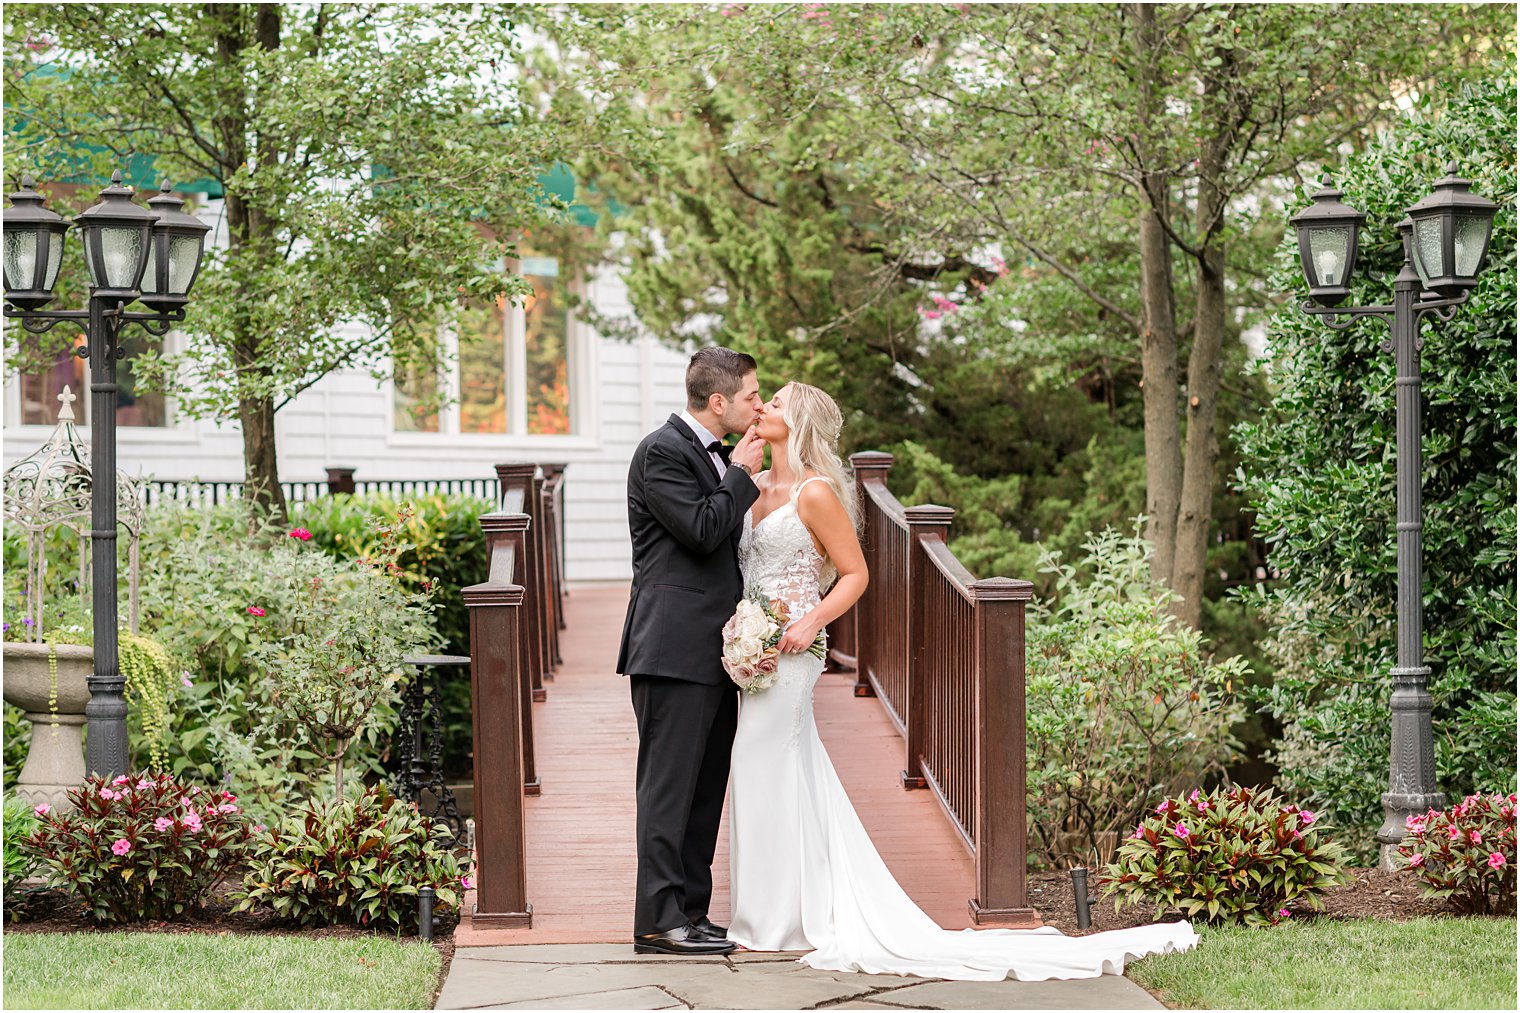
923 719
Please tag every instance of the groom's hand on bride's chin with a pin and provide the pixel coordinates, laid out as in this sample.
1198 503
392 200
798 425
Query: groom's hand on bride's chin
749 452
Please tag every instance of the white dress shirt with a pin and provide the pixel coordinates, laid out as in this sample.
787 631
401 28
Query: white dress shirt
705 437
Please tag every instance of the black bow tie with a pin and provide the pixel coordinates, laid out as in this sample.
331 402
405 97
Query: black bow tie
721 449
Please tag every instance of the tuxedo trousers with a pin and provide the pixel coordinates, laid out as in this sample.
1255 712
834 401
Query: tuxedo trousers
686 732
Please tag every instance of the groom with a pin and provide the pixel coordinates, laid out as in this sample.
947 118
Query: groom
687 496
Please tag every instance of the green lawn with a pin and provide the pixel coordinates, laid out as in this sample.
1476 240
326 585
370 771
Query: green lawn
1434 963
139 970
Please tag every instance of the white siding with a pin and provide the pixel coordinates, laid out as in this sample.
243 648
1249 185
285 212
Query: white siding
345 420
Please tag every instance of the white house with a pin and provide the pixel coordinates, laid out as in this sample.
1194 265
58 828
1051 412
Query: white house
552 389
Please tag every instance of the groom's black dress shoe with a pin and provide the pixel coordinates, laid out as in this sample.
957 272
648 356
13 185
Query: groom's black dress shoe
681 944
703 928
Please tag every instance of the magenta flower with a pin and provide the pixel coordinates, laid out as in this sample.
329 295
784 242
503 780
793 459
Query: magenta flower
1297 836
121 847
1416 860
1283 912
300 533
1415 824
254 610
1194 796
1452 833
466 882
1495 860
121 779
108 794
144 784
1164 806
162 823
193 821
184 679
258 828
229 796
1475 838
1180 830
1203 805
228 807
1306 817
1139 833
43 809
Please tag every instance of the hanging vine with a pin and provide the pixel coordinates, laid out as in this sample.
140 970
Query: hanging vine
145 665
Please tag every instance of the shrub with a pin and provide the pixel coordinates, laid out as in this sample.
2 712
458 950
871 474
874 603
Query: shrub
1466 854
358 859
141 846
1123 706
1235 854
345 634
20 823
1320 471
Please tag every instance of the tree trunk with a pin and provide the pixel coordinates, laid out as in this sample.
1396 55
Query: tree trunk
261 465
1195 511
1158 338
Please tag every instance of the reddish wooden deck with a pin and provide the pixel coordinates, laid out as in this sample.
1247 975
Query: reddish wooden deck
580 830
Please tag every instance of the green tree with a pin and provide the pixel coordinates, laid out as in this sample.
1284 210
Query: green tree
373 159
1026 125
1320 470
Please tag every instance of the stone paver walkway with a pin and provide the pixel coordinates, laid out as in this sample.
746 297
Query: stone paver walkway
611 976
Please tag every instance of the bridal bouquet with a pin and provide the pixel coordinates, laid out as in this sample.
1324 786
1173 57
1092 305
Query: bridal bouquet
750 636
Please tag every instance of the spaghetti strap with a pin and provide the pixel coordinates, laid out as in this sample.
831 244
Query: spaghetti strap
797 489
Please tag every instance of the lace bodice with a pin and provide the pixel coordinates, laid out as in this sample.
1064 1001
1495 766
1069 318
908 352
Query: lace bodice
778 559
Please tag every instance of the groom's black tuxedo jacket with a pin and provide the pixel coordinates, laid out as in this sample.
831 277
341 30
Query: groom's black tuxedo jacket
686 582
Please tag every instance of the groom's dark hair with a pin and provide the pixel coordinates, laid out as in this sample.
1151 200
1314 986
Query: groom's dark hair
716 370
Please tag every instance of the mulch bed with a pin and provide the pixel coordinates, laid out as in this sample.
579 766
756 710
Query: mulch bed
1372 893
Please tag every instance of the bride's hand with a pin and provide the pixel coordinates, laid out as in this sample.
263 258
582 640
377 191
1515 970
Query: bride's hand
800 636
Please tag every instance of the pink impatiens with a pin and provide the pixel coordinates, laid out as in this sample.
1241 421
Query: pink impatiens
1416 860
121 847
162 823
1180 830
1495 860
43 809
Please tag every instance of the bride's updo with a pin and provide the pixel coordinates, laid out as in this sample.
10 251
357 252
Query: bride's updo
815 421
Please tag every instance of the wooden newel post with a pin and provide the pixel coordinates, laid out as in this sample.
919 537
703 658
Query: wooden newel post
523 478
497 701
1002 896
869 466
925 523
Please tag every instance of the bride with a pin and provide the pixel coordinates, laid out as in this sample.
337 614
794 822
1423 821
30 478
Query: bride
804 874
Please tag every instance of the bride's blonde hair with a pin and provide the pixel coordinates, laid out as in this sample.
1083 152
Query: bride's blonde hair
815 421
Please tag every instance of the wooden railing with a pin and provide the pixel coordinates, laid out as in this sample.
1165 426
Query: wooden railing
944 653
515 618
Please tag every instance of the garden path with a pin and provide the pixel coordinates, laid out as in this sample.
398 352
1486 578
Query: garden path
580 831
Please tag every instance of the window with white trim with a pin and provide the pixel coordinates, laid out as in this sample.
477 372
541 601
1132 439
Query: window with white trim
510 366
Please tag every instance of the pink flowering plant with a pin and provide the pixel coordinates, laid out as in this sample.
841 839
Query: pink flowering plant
1465 854
356 860
140 847
1233 854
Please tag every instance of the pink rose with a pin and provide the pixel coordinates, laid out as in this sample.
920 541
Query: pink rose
254 610
43 809
121 847
162 823
301 534
1495 860
766 665
1416 860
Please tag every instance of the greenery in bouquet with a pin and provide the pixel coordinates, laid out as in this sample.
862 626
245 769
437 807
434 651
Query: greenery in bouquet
359 859
1235 854
1465 854
141 846
750 654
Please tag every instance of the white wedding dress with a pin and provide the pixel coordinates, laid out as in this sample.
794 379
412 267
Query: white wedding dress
803 872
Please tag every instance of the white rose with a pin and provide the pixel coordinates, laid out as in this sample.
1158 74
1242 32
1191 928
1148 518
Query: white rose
751 647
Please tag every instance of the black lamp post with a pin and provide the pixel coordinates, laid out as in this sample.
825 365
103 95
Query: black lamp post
1445 238
120 239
